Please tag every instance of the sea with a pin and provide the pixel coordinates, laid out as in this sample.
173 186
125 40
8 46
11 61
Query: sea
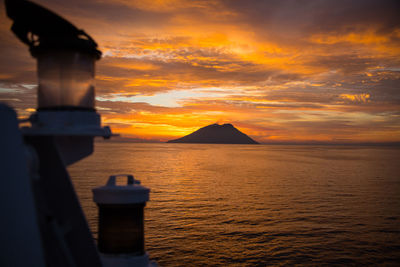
257 205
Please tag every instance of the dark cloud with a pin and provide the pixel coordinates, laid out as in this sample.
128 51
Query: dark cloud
317 16
114 12
346 63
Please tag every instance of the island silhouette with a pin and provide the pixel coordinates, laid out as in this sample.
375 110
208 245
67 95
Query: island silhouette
216 134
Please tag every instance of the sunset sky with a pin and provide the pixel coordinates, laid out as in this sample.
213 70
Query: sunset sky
280 71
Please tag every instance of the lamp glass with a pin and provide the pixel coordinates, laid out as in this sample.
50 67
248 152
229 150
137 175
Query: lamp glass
66 80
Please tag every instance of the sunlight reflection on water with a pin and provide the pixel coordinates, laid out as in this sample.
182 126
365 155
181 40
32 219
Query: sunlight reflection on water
258 204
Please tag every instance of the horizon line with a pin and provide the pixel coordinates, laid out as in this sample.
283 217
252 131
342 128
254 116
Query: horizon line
349 143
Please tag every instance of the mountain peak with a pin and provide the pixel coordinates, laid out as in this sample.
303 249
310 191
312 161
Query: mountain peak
216 134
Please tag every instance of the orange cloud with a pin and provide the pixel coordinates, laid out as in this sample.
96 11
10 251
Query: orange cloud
363 98
279 72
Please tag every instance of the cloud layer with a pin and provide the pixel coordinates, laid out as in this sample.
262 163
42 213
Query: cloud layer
279 70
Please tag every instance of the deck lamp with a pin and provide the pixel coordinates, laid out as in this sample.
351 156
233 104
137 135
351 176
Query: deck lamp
62 132
121 220
65 56
66 59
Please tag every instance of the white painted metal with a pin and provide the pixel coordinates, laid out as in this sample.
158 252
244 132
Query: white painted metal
19 230
130 193
66 123
73 131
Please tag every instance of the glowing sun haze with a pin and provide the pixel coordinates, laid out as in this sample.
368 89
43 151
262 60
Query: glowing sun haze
278 70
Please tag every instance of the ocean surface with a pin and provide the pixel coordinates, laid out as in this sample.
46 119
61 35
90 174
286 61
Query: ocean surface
258 205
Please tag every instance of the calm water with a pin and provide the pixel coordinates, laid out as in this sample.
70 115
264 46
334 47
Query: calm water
257 205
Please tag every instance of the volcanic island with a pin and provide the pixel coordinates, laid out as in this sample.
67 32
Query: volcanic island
216 134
